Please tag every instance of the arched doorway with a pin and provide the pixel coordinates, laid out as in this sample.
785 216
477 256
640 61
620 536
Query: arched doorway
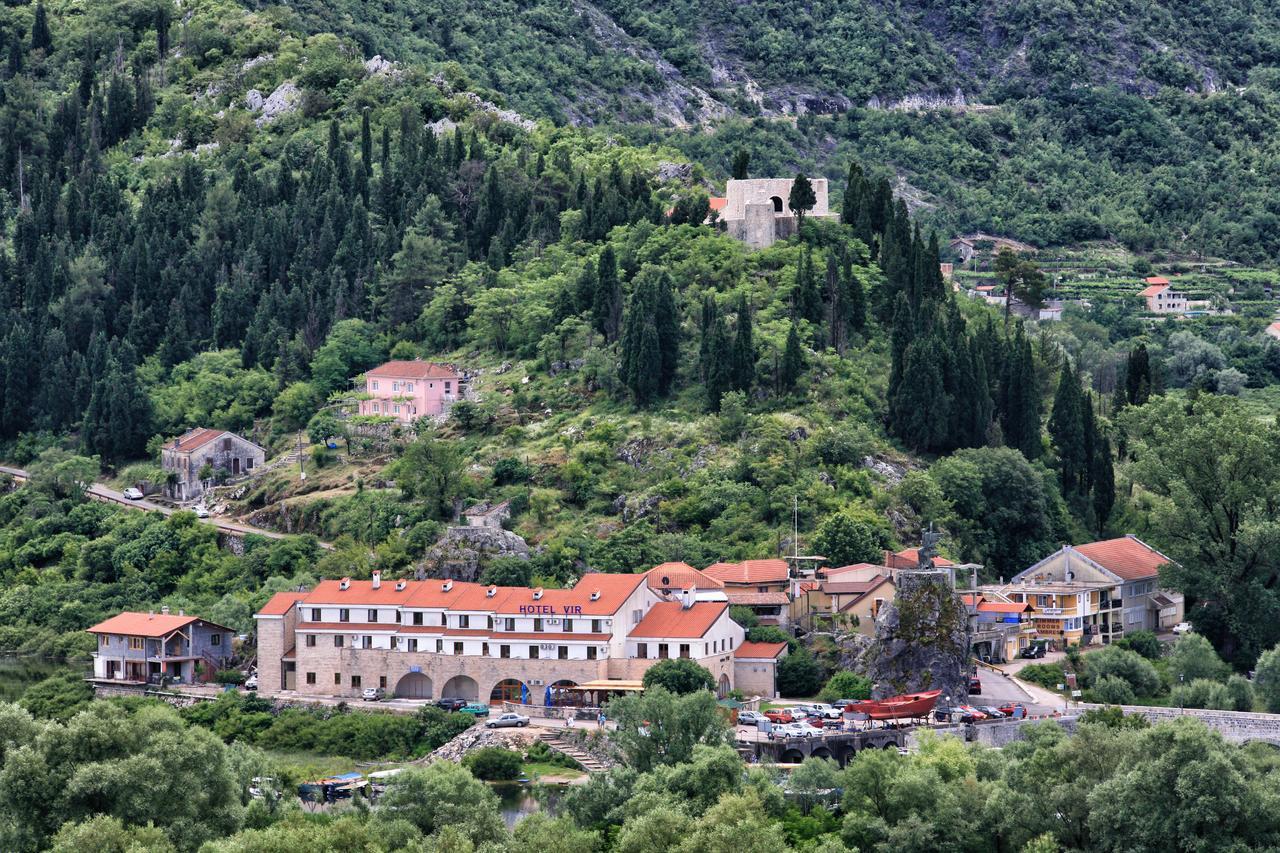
414 685
722 690
777 203
461 687
558 693
509 690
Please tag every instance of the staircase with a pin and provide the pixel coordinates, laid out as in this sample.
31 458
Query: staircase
588 763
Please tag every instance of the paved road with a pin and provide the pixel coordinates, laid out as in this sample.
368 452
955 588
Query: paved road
100 492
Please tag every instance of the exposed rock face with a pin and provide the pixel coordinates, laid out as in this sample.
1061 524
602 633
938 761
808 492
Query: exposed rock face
462 550
478 737
284 100
922 639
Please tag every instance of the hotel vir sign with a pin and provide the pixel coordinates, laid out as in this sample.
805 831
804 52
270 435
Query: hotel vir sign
550 610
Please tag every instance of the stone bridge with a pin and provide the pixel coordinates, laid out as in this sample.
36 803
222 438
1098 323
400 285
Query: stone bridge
1234 726
838 747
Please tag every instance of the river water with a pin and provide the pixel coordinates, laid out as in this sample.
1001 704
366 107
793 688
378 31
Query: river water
519 801
19 673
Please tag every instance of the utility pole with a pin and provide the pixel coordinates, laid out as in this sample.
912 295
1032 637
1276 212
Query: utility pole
302 468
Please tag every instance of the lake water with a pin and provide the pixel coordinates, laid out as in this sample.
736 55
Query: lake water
519 801
19 673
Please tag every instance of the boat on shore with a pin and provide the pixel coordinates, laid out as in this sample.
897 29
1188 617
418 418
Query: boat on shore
905 707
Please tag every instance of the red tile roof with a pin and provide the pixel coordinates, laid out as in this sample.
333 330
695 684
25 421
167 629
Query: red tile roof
852 587
147 624
358 594
749 571
1128 557
669 619
279 604
195 438
833 573
971 600
597 594
718 202
1156 279
759 650
679 576
1154 289
757 598
413 370
909 558
1003 607
433 594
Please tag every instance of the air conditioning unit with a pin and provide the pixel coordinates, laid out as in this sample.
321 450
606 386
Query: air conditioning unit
536 682
553 621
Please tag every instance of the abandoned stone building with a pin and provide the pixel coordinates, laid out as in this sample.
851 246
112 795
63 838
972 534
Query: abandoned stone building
187 456
755 210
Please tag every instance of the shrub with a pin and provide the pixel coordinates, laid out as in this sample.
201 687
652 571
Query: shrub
510 470
493 763
1192 657
1241 692
229 676
680 676
1144 643
744 616
846 685
1200 693
1266 680
1130 666
1111 690
1048 675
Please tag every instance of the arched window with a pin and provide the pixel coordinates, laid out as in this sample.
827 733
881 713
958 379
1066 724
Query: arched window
777 204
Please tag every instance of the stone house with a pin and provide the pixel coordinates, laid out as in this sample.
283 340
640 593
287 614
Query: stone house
755 210
151 647
408 390
756 668
1161 298
223 451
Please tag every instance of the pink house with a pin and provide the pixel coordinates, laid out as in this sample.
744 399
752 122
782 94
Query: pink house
408 390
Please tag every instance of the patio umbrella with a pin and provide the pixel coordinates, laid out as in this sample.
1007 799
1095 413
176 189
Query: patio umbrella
546 698
524 694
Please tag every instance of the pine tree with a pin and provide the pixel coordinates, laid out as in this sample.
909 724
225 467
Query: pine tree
606 305
857 299
801 199
41 39
743 353
792 361
1066 428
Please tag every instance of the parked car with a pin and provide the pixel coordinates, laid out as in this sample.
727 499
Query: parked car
475 709
778 717
201 511
451 703
133 494
970 714
822 709
975 686
992 711
1014 709
750 718
799 712
1183 628
373 694
508 721
1033 651
795 730
251 683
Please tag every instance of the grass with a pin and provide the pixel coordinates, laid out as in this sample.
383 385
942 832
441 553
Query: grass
303 766
545 769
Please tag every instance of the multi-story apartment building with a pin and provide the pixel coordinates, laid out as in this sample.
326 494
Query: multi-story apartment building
1093 593
437 638
408 390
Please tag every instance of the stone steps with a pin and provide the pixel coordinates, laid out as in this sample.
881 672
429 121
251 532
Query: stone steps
588 763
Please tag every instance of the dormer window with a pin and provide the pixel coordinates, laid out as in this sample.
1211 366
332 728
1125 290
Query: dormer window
595 595
446 586
345 584
400 585
537 594
491 592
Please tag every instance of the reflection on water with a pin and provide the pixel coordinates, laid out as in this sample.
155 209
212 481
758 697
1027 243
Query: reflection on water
519 801
17 674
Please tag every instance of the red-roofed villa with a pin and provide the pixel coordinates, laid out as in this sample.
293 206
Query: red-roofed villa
144 648
408 390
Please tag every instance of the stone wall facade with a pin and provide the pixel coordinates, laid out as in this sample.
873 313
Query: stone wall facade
1234 726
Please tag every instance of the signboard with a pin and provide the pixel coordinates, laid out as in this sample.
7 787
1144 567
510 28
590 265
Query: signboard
550 609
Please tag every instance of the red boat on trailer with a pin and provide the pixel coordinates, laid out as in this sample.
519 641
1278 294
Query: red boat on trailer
908 706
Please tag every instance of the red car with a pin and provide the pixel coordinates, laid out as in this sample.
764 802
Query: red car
778 716
1013 709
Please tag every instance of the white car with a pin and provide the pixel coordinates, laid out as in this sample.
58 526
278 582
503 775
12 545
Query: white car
795 730
1183 628
251 683
133 494
506 721
373 694
201 512
822 709
800 712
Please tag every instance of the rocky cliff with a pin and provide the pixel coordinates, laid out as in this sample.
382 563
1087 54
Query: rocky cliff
921 640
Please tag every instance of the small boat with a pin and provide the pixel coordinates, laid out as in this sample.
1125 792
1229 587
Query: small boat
523 780
905 707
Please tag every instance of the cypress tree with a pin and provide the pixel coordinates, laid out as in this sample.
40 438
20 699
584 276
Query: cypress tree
854 189
649 343
1138 376
743 353
792 361
1020 398
667 327
1104 484
921 411
899 340
606 304
1066 428
715 354
41 38
366 143
741 164
857 298
585 288
806 299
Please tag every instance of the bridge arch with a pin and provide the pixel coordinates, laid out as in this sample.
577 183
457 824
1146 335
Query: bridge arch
791 756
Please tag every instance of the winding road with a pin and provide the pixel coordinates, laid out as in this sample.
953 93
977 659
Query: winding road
99 492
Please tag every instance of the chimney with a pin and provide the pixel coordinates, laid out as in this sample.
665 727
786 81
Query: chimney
377 579
686 598
164 610
151 614
181 612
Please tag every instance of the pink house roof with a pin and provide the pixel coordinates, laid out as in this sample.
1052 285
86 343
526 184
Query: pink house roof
718 202
749 571
413 370
1154 290
760 651
1274 329
1156 279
